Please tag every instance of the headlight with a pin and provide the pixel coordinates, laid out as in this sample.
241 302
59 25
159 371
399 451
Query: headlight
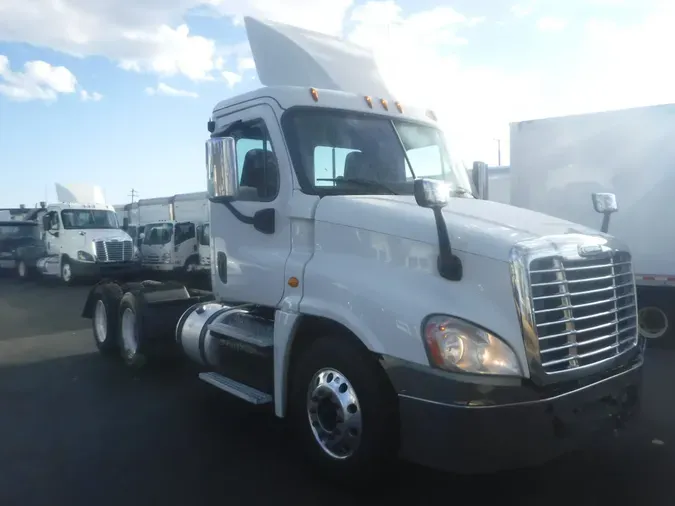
456 345
166 258
83 256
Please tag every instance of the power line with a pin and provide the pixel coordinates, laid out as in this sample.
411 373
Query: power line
133 194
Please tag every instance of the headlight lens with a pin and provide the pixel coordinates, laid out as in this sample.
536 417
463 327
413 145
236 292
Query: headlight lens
456 345
83 256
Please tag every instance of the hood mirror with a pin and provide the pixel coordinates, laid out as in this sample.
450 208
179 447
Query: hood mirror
431 193
605 204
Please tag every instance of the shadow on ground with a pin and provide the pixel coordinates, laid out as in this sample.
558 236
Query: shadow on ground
83 430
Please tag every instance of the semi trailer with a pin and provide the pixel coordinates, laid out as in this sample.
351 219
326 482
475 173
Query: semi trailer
384 315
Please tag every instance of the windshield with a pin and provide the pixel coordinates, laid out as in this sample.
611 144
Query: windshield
88 218
329 148
158 233
205 238
24 231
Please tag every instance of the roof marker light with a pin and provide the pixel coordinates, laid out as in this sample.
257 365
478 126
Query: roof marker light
369 101
399 107
314 93
384 104
431 115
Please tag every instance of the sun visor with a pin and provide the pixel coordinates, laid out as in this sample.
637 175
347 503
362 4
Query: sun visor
290 56
80 193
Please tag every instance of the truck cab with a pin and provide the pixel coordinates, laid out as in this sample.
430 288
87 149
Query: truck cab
84 240
170 235
365 291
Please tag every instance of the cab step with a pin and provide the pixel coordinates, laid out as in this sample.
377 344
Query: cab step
259 340
245 392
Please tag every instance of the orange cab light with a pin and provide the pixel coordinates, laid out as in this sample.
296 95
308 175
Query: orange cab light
384 104
369 101
431 115
314 93
399 107
293 282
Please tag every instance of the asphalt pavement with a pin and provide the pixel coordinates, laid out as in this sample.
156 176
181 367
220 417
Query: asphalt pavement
79 429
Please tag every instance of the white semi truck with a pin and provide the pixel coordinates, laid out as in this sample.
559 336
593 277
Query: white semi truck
82 237
556 163
169 241
384 314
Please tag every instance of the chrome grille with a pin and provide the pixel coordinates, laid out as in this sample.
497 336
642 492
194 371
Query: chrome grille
151 259
584 310
114 251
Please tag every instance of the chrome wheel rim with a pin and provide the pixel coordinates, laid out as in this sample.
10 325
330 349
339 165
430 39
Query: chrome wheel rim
66 273
129 339
101 321
334 414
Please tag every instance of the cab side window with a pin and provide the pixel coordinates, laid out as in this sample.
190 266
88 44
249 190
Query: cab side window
184 232
257 162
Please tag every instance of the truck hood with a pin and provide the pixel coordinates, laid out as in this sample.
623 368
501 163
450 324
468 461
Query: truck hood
479 227
109 234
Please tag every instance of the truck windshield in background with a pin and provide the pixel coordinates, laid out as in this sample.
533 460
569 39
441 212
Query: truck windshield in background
329 148
19 231
88 219
157 234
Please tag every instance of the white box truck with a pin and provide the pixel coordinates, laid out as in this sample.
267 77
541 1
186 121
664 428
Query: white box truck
381 313
556 163
169 238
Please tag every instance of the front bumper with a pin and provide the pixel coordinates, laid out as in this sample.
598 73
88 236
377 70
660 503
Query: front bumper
104 269
7 263
481 425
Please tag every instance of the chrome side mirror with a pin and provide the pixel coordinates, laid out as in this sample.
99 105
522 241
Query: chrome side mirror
479 175
431 193
605 203
222 173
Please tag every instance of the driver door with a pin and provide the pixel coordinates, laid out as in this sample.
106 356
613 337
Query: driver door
250 263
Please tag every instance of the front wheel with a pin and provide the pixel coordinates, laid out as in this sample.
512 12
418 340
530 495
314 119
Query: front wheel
344 410
67 273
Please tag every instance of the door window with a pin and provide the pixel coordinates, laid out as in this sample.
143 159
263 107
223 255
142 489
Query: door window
256 160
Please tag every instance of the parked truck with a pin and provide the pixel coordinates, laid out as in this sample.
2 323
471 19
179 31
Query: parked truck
169 239
557 162
381 313
82 238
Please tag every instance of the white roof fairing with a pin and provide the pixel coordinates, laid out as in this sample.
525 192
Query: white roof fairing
290 56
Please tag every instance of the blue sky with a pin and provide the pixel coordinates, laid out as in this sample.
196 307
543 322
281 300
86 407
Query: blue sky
480 65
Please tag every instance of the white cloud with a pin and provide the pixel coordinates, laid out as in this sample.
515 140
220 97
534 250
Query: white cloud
166 90
551 24
38 81
231 78
320 15
87 96
473 103
144 35
522 10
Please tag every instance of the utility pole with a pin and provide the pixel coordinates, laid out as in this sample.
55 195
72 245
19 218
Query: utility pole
499 152
133 194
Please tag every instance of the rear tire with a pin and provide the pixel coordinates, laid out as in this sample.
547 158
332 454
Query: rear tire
340 394
105 321
130 336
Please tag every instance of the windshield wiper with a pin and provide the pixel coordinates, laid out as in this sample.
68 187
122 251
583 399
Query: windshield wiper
362 182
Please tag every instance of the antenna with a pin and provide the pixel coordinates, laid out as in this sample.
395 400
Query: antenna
133 194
